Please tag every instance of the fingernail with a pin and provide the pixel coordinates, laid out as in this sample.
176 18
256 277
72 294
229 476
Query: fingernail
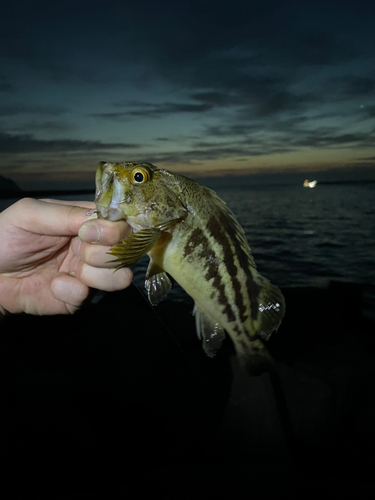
90 233
76 246
73 266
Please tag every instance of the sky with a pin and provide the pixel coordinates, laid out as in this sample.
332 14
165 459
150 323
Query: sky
200 87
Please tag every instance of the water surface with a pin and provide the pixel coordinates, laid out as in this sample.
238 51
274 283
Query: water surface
298 236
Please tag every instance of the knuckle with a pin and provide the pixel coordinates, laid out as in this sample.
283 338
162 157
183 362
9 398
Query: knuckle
25 204
92 255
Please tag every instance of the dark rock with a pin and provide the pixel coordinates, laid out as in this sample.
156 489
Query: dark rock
8 187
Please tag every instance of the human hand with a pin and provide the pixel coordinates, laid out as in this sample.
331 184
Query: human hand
45 268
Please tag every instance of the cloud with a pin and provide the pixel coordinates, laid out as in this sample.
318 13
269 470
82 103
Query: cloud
367 112
250 80
318 49
151 110
273 127
358 86
281 134
6 87
344 88
212 98
168 108
368 158
231 130
320 140
27 109
42 126
27 143
282 101
199 155
246 55
260 98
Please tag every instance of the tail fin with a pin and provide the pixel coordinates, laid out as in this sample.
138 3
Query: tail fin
254 357
268 306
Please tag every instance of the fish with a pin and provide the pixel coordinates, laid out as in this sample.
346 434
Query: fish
191 235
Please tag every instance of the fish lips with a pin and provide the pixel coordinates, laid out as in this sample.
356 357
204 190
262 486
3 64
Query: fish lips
112 214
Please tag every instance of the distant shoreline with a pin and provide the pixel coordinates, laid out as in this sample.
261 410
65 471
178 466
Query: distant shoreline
5 194
369 181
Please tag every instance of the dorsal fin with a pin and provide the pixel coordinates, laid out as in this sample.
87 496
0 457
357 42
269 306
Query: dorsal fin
237 229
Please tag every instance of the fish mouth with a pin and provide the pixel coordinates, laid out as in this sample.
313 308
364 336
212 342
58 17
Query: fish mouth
112 214
109 193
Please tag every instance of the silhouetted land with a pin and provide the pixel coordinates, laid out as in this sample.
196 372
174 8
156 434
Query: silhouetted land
121 398
352 182
13 193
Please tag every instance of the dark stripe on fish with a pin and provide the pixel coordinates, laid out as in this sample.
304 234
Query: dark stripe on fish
196 238
215 227
228 311
207 254
221 228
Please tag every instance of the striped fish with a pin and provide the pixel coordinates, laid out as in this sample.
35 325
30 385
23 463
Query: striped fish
190 234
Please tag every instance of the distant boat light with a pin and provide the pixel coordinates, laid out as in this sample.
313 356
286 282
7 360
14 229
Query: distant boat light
310 184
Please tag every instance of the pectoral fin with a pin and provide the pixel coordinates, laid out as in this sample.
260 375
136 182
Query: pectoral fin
131 249
157 283
210 332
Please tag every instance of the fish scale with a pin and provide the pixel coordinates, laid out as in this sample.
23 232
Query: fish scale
230 251
191 235
232 299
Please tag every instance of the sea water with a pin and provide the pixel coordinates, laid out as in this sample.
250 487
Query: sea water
298 236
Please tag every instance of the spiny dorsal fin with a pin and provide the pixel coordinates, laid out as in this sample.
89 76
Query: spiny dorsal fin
229 215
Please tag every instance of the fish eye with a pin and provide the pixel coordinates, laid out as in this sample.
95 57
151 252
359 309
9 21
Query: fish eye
140 175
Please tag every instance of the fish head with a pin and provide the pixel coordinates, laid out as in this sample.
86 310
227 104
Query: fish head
140 193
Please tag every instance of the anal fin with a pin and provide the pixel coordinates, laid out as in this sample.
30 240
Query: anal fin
271 307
